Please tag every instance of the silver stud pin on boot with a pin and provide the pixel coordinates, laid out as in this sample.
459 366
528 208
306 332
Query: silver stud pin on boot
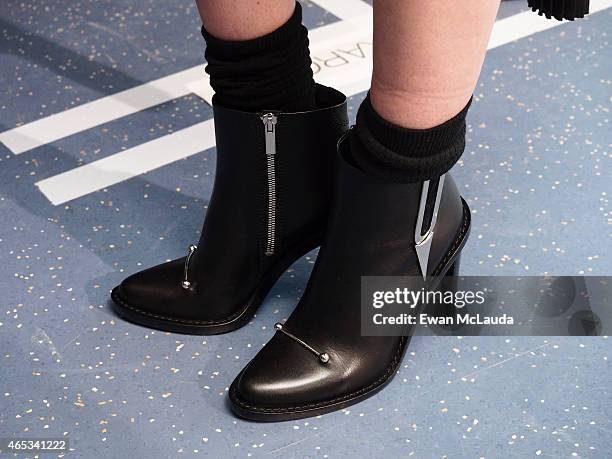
323 356
186 284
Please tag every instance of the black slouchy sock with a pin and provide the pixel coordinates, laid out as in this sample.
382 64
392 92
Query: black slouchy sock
267 73
394 153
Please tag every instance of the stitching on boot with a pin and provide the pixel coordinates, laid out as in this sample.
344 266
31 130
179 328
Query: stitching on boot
119 300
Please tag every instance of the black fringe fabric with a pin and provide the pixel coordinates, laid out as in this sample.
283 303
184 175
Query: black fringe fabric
560 9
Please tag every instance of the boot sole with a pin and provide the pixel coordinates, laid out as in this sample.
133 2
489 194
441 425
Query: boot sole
263 414
140 316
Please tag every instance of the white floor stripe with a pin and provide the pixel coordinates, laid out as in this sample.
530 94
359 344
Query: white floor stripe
352 77
121 166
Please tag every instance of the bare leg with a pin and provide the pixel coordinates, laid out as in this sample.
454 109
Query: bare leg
244 19
427 58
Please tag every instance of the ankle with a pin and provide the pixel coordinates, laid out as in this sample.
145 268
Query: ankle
416 110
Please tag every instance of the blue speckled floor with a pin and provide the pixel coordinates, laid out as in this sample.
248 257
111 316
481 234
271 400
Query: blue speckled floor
536 173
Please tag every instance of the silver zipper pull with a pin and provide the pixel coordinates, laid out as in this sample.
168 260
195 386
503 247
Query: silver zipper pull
269 121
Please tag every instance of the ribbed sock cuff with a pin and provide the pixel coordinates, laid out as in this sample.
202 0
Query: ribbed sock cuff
271 72
405 155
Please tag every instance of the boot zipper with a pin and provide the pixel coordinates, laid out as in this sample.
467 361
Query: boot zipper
269 121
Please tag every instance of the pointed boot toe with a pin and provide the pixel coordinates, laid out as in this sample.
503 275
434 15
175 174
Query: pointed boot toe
286 380
151 286
147 296
279 378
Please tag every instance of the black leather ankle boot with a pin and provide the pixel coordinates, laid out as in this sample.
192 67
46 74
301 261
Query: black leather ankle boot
317 361
268 208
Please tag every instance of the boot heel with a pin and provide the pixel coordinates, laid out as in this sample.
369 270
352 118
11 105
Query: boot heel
454 269
448 283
